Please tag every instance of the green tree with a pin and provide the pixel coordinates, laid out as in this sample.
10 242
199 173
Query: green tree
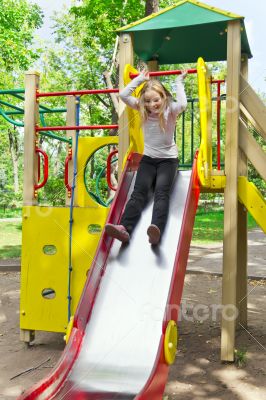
18 21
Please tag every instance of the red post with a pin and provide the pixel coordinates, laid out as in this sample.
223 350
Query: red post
218 82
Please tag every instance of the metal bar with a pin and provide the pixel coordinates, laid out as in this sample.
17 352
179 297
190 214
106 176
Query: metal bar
53 136
72 128
11 121
162 73
183 137
192 131
12 91
217 80
48 111
14 112
77 92
5 103
218 126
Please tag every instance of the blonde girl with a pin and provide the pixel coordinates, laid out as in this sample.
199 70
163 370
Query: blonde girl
158 166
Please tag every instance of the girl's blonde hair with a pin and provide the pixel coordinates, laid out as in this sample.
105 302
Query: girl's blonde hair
165 95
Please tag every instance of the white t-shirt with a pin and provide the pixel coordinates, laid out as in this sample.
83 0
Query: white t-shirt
158 143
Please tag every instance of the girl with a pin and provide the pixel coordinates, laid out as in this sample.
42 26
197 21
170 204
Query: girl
159 163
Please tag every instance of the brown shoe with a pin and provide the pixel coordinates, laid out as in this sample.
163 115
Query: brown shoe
154 234
117 232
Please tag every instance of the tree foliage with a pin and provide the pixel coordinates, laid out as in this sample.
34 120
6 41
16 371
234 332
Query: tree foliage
18 21
82 50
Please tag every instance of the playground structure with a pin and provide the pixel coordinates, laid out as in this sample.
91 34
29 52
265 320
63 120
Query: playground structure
54 226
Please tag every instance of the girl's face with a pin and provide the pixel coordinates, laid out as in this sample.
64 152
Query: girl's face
152 101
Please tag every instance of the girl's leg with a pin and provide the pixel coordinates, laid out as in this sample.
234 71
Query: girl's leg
145 177
166 170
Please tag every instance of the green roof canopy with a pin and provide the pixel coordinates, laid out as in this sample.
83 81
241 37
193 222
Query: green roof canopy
184 32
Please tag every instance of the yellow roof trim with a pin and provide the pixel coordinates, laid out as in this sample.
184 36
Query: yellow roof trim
196 3
215 9
140 21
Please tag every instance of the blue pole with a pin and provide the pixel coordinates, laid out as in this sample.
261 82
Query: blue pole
70 267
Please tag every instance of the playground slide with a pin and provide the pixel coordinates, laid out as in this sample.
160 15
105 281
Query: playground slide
116 346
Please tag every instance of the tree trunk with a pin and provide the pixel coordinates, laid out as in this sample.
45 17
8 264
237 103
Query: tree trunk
152 6
57 158
14 152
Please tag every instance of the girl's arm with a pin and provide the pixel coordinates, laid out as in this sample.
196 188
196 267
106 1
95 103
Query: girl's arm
181 99
125 94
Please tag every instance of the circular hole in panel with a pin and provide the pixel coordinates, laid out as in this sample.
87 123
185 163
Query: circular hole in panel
94 229
48 293
95 175
49 249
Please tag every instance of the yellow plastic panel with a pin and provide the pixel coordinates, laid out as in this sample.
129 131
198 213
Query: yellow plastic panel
204 163
86 148
253 200
49 226
135 132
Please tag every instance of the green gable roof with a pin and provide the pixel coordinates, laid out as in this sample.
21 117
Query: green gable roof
184 32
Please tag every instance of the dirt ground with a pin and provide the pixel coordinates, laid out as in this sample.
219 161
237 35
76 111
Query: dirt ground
197 372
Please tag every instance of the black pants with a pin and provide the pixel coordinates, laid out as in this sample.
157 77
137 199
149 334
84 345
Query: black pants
153 172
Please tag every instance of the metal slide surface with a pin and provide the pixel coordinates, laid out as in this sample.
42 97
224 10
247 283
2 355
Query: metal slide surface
120 349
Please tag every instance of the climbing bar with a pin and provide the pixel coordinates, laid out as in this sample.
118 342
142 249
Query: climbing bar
161 73
217 80
12 91
67 185
73 128
45 169
76 92
53 136
4 103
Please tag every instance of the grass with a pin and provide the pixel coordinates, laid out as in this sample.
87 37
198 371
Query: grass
10 240
208 228
10 212
240 357
209 225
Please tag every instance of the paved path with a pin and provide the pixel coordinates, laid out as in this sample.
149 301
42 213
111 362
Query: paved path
208 258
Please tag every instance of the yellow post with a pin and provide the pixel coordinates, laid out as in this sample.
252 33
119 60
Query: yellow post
230 260
125 57
242 239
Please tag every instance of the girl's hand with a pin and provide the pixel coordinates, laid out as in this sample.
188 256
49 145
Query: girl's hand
183 74
146 75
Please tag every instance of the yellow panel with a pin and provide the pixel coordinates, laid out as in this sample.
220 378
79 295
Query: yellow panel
87 146
218 182
253 200
204 162
49 226
135 132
